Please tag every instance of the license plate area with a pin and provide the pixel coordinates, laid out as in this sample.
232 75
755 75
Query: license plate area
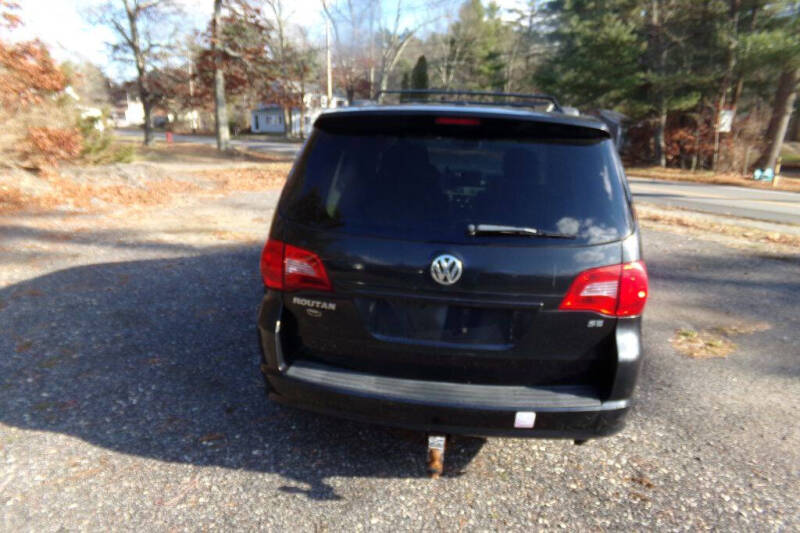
407 320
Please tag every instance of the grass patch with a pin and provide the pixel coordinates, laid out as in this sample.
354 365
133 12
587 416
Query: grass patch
790 154
101 147
701 344
713 342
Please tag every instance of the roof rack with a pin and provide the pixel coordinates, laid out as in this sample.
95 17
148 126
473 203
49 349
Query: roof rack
441 96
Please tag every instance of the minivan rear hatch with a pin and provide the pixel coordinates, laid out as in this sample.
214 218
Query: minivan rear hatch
378 197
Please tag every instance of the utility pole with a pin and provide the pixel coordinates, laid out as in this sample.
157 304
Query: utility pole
192 116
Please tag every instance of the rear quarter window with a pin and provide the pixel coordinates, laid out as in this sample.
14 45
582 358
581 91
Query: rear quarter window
431 187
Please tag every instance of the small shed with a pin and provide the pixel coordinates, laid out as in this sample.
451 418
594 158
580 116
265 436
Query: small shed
267 119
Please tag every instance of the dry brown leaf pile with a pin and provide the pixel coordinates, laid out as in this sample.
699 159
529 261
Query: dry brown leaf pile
95 195
713 342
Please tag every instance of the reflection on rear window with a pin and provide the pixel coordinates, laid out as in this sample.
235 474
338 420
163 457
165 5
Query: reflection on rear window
432 188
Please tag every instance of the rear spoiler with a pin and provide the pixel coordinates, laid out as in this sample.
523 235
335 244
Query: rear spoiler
468 123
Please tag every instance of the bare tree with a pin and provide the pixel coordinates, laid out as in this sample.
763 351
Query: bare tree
394 40
146 32
371 37
452 50
305 67
347 19
454 55
279 48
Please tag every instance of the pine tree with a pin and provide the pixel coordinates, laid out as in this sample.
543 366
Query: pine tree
778 46
419 75
595 55
405 84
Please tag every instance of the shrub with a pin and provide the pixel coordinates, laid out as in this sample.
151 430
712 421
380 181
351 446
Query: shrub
98 144
45 146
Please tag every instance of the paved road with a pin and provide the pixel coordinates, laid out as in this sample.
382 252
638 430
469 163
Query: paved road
277 147
772 206
130 399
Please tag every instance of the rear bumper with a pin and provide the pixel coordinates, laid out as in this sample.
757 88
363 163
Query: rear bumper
478 410
453 408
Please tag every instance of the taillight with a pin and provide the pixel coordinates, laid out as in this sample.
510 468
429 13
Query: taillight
289 268
304 270
633 289
616 290
457 121
272 264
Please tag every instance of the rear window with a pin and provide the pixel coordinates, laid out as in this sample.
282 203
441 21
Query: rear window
432 187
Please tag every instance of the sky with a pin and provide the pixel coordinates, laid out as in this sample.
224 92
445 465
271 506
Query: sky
63 25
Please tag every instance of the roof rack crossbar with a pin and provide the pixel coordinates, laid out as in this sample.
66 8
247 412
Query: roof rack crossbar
475 102
443 93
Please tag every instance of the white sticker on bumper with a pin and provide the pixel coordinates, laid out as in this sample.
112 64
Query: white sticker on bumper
524 419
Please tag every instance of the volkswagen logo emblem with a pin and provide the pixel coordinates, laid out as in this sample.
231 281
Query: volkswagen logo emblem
446 269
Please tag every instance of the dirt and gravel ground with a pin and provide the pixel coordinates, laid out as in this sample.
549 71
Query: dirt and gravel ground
130 397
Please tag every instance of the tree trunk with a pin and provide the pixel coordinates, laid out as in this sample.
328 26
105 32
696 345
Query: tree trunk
782 108
287 121
302 107
141 70
659 141
148 128
794 135
220 108
658 67
696 148
221 127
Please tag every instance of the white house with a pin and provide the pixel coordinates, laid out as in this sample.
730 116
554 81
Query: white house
267 119
337 100
129 114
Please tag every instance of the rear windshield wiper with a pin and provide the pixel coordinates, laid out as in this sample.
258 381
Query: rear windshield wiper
494 229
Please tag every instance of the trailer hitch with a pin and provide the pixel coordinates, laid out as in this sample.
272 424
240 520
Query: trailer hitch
436 446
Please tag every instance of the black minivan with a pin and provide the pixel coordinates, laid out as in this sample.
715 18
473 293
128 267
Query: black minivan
460 269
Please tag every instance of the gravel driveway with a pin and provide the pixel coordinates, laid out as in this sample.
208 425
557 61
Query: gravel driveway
130 399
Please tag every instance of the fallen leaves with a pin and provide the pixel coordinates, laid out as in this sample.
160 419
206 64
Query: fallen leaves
643 481
46 147
96 192
24 346
701 344
647 213
713 342
224 235
212 437
271 176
